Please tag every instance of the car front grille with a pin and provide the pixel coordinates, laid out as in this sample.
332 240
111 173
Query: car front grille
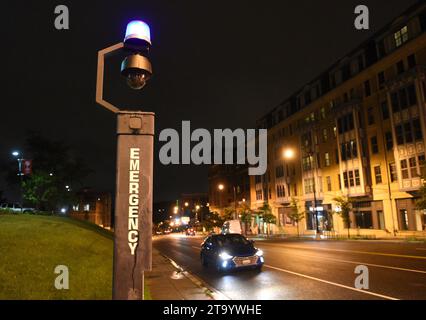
245 261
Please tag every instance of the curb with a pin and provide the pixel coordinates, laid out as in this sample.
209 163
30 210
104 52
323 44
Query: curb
208 290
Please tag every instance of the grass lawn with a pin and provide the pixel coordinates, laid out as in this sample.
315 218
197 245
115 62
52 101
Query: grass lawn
32 246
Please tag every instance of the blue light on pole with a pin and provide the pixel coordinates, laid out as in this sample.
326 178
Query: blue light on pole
15 153
137 31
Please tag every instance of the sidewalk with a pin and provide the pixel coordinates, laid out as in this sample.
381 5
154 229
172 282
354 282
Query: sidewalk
167 282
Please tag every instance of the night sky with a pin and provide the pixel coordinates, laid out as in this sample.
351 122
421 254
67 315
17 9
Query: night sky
219 64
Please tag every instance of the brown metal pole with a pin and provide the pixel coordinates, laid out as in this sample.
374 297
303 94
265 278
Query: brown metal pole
133 209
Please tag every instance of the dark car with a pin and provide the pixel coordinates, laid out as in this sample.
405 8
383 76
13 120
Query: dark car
230 252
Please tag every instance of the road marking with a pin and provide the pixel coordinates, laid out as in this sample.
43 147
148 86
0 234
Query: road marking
195 247
372 265
356 251
359 263
332 283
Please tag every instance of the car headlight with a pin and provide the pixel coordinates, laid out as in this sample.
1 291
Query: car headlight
259 253
225 256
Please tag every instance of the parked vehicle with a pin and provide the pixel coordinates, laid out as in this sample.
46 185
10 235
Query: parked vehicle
232 226
230 252
16 208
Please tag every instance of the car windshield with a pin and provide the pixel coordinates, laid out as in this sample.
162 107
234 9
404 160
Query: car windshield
231 239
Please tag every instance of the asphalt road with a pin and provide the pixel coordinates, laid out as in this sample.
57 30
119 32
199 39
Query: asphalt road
307 269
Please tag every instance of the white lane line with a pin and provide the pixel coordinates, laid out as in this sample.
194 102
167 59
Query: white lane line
359 263
354 251
331 283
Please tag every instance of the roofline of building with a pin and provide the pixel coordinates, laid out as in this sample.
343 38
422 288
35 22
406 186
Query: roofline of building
409 11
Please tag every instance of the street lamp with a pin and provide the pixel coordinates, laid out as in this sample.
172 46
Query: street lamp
135 131
289 154
20 159
221 187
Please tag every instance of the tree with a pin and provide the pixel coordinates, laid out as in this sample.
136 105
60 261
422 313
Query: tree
344 207
246 216
296 215
212 220
421 201
55 166
228 213
267 215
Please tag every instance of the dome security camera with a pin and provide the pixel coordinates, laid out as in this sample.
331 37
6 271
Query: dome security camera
136 67
137 70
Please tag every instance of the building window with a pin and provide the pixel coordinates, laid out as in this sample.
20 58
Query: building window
370 116
322 111
309 185
328 180
407 132
400 67
395 101
378 174
389 140
374 145
404 169
345 179
363 219
411 59
280 191
324 135
345 123
401 36
367 88
327 159
348 150
307 163
279 172
411 93
422 159
357 179
417 128
385 110
413 167
351 178
399 132
393 172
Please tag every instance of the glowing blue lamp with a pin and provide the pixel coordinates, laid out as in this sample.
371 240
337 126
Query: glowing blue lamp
137 32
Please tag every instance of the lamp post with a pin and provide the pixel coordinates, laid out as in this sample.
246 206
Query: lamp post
221 187
20 159
135 131
290 154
